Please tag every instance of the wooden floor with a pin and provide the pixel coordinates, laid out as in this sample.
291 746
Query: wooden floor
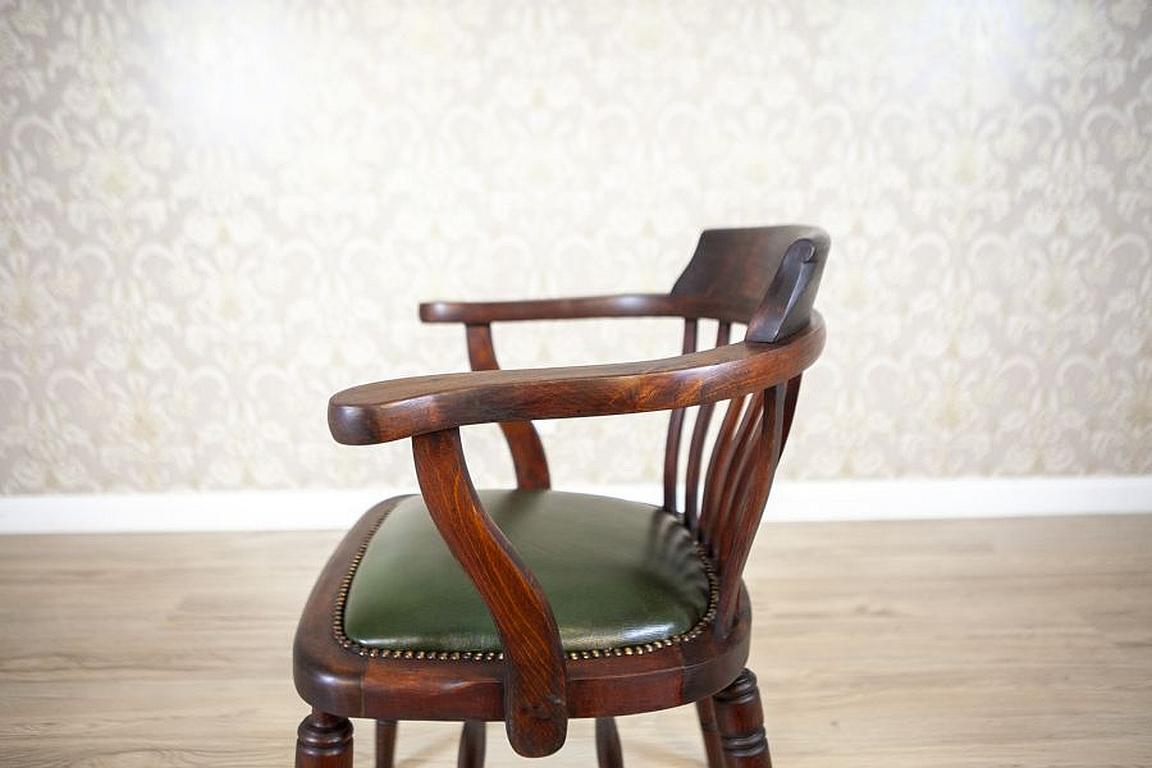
920 644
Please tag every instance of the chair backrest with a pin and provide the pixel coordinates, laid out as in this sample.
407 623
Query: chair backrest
768 277
736 266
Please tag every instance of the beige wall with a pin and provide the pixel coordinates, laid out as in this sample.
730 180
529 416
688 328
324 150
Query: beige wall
215 215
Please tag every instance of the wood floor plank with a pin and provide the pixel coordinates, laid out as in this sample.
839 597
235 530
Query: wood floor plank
973 644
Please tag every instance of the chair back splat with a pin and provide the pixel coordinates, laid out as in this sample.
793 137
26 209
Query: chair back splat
767 278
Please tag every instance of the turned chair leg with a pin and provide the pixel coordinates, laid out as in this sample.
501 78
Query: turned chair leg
706 710
740 720
385 743
324 741
608 754
473 741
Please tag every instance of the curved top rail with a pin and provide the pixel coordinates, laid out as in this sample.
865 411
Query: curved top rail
619 305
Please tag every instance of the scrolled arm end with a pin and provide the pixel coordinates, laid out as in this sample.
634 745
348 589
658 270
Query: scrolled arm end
348 425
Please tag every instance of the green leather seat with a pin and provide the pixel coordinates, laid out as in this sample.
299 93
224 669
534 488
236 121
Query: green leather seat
617 573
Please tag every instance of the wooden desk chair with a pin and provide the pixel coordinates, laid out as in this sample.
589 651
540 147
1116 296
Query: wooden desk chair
533 606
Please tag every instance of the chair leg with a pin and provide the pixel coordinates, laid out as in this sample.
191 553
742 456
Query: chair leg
608 754
473 741
324 741
385 743
706 710
740 720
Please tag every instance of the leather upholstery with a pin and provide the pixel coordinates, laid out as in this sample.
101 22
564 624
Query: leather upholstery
616 573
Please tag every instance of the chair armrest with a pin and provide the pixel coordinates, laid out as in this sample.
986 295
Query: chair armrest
621 305
391 410
535 679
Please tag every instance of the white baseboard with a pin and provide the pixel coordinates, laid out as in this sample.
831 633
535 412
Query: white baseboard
909 499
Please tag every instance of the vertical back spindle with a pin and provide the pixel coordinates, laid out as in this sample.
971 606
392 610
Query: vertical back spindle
523 440
718 467
754 483
675 427
696 447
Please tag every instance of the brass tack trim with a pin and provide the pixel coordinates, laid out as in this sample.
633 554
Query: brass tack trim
627 650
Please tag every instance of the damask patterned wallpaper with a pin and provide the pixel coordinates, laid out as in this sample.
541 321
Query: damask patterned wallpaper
214 215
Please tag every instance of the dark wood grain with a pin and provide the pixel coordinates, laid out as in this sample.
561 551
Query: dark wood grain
523 440
621 305
746 504
676 428
696 447
787 304
608 752
535 714
763 277
739 455
713 750
737 265
391 410
740 720
473 745
726 279
324 741
718 467
385 743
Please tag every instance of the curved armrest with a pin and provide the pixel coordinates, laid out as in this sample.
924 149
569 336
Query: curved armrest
390 410
621 305
535 681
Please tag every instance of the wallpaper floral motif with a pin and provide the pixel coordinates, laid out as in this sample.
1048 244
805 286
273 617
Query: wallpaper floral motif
214 215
